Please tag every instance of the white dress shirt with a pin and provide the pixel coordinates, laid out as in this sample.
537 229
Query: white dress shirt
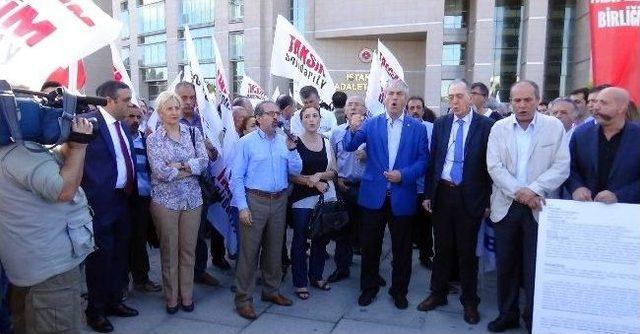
523 145
450 158
328 122
121 180
394 132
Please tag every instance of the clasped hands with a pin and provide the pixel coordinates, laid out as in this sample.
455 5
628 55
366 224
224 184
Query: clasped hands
583 194
315 181
529 198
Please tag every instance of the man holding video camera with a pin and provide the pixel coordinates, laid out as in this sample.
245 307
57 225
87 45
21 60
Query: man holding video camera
45 231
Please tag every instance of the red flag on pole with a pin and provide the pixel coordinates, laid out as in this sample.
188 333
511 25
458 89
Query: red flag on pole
615 44
61 76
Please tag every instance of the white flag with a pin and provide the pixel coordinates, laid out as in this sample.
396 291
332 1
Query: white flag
221 168
119 66
293 57
39 36
276 94
384 67
252 90
211 123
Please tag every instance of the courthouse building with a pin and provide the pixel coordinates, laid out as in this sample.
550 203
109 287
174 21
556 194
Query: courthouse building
436 41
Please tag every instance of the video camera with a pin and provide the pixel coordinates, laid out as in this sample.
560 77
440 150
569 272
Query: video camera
45 120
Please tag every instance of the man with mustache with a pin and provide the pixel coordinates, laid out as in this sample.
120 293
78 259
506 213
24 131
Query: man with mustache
605 158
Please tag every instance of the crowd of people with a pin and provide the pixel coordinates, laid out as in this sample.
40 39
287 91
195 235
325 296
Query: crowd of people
99 202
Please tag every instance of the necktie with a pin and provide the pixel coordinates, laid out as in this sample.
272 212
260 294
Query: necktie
128 186
458 152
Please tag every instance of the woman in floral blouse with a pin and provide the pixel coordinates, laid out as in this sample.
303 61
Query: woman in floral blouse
176 157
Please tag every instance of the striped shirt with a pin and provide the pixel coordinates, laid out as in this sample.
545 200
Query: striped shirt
142 166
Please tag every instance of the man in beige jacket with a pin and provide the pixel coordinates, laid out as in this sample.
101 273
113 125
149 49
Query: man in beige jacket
528 163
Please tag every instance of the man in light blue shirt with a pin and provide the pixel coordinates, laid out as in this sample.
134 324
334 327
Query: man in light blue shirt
259 180
350 168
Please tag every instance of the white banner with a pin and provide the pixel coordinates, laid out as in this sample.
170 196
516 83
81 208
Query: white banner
221 168
118 65
252 90
294 58
587 268
211 123
38 36
276 94
384 67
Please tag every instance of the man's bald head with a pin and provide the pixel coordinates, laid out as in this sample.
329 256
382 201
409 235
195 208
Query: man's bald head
611 105
619 95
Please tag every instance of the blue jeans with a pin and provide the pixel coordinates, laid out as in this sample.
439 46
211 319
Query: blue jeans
300 269
5 319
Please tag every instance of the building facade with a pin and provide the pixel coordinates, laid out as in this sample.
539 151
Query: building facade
436 41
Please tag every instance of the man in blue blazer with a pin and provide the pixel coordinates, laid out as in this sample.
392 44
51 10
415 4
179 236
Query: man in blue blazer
605 156
457 190
109 179
396 157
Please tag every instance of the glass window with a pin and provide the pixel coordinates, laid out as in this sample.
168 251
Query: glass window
237 70
154 74
455 14
236 11
202 40
236 46
506 53
197 12
152 18
153 50
125 54
297 14
155 88
453 54
558 48
124 18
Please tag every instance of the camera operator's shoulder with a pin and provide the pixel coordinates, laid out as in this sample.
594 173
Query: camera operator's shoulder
17 158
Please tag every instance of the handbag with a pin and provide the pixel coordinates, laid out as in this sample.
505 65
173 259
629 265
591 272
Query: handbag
206 181
328 218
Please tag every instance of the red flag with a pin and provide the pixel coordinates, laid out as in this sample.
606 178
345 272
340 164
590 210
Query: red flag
615 44
117 76
61 75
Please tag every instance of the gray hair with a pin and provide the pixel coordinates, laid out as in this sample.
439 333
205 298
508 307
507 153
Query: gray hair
574 106
467 87
260 107
399 83
536 88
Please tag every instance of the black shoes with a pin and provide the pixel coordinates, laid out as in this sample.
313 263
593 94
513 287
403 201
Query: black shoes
338 276
221 263
431 303
188 308
99 323
399 300
172 309
367 297
471 315
121 310
503 323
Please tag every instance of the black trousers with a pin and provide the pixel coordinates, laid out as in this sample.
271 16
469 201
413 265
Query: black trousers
456 236
371 237
217 249
348 238
516 243
140 224
423 230
108 265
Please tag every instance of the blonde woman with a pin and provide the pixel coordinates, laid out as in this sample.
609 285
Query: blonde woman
177 155
316 178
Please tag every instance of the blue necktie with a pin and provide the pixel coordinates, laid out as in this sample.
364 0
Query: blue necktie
458 152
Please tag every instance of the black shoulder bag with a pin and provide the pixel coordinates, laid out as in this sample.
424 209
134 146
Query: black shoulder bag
207 183
328 218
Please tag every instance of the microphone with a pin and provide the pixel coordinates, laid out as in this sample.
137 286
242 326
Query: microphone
286 131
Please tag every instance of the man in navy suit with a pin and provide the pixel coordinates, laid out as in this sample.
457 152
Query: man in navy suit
605 156
109 179
457 189
396 157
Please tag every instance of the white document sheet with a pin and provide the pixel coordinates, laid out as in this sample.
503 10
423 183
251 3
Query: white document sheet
587 269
